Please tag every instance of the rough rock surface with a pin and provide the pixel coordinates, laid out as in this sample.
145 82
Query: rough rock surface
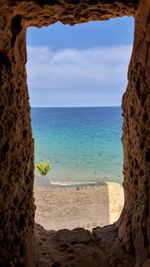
134 223
80 248
16 144
16 147
40 13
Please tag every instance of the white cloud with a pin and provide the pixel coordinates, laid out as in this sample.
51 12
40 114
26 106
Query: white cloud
72 76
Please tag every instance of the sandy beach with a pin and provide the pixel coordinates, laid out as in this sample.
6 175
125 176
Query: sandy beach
87 206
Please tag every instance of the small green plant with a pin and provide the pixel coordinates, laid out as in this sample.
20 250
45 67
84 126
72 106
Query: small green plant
43 168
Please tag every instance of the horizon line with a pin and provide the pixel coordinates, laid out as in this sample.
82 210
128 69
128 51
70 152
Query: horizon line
75 106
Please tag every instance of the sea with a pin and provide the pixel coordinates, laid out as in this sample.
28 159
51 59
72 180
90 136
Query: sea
81 144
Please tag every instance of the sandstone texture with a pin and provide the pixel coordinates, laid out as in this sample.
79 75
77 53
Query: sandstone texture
16 146
132 231
134 223
41 13
80 248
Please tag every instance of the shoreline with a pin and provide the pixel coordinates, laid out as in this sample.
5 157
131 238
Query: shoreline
44 182
75 205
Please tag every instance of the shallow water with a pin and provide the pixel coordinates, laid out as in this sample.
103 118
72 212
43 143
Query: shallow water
81 144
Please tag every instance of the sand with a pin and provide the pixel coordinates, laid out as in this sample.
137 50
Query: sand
87 206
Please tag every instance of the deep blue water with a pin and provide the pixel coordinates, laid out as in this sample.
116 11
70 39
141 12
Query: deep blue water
81 144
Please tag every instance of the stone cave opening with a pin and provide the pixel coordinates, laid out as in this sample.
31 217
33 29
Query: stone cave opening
76 79
23 243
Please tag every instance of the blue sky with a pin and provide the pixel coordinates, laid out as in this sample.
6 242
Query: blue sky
81 65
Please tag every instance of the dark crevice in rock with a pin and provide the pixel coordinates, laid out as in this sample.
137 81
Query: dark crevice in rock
4 61
16 28
147 156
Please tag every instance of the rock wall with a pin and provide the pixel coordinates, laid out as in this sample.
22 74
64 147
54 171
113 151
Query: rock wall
45 12
16 144
134 229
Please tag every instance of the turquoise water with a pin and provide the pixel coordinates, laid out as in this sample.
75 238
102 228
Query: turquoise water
81 144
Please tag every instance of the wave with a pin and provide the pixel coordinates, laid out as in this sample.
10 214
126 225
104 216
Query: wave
71 183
